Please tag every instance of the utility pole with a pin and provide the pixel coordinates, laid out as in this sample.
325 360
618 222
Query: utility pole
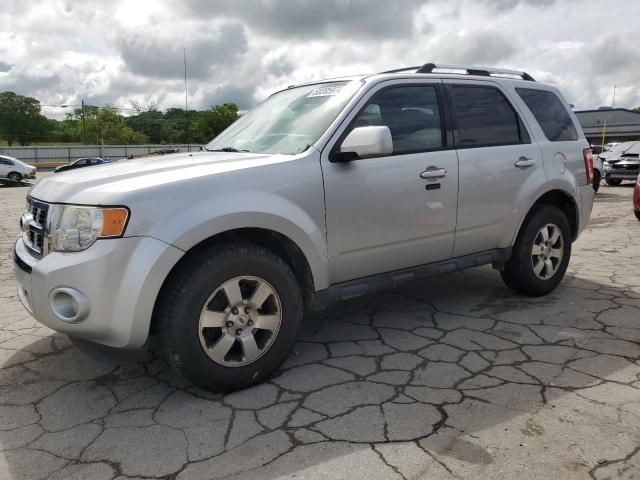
186 102
84 126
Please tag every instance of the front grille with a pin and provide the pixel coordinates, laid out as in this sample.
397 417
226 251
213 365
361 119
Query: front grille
34 229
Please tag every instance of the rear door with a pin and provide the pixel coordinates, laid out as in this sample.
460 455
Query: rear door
500 167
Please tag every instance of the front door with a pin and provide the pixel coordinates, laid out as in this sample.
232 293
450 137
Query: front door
396 211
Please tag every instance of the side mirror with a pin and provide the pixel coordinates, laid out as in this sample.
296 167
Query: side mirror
364 142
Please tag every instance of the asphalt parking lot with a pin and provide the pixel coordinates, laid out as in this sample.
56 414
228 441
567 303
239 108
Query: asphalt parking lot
453 377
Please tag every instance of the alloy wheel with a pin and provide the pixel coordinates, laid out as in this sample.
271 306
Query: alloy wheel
240 321
547 251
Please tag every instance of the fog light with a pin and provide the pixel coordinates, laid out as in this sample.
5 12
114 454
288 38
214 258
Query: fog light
69 304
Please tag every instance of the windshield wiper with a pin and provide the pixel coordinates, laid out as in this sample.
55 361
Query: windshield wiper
225 149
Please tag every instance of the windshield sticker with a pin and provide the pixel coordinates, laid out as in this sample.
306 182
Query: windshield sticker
325 91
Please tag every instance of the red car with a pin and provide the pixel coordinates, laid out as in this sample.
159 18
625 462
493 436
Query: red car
636 198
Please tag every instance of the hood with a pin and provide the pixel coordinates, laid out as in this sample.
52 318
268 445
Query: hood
109 183
619 150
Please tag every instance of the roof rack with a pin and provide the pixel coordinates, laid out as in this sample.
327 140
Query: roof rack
466 70
405 69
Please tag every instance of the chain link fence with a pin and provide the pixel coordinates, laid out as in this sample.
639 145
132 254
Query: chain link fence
66 154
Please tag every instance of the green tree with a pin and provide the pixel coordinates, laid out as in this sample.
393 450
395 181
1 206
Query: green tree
20 119
64 131
211 122
151 123
106 126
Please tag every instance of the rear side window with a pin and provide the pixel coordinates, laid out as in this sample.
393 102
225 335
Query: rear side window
486 118
550 113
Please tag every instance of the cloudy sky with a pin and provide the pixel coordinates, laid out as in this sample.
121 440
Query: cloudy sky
116 52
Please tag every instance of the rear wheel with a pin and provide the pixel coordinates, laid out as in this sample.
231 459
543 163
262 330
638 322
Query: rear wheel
229 316
596 180
15 176
613 182
637 212
541 253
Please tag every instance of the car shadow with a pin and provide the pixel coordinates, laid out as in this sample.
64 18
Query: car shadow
449 370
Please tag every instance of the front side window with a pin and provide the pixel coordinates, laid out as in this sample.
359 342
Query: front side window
5 162
288 121
486 118
550 113
412 114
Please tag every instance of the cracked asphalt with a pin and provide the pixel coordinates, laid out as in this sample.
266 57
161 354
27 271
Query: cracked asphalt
452 377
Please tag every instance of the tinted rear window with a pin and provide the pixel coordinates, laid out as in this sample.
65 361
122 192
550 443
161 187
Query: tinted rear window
485 117
550 113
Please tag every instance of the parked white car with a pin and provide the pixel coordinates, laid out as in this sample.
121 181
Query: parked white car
15 170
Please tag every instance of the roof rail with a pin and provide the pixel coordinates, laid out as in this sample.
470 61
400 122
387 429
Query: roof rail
462 69
405 69
482 71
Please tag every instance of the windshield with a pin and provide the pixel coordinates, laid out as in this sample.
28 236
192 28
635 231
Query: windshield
288 121
19 162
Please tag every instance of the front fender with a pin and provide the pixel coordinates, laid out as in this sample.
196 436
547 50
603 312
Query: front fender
245 209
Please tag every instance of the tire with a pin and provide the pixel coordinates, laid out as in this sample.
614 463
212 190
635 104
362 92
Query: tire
596 181
212 357
637 213
519 273
613 182
15 176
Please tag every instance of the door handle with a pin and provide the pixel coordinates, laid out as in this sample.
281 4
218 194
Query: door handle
433 172
524 162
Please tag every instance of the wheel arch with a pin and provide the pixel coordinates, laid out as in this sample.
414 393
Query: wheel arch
274 241
561 199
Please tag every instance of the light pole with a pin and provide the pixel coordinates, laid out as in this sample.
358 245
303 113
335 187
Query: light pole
84 126
186 103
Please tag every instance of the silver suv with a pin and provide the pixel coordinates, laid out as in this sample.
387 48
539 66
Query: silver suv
325 191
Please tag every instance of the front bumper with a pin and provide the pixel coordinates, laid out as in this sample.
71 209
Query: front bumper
120 279
622 174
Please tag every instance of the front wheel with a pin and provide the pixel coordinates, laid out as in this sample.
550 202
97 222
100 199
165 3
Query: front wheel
15 176
637 212
541 253
229 316
613 182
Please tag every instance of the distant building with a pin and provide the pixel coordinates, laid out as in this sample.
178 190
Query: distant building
622 124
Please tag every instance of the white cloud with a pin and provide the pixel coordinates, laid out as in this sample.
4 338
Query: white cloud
118 51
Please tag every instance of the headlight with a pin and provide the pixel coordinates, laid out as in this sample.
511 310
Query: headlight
75 228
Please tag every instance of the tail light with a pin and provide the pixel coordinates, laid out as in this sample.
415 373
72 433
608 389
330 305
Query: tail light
588 164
